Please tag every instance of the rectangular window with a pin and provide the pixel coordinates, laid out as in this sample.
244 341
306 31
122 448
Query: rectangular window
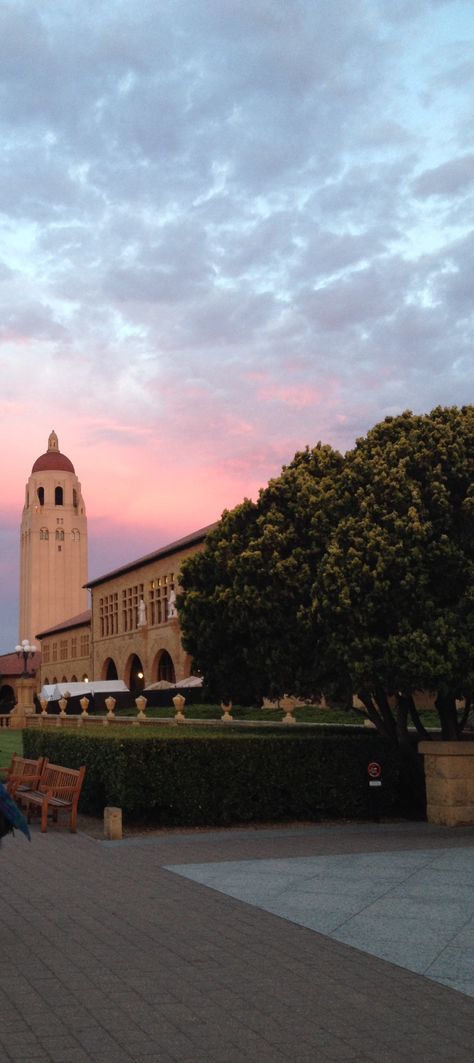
55 651
108 615
45 653
130 599
159 590
84 644
73 647
63 650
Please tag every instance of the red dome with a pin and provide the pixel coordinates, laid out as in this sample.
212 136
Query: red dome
52 459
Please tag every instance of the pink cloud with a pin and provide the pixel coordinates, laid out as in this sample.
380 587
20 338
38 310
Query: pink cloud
291 394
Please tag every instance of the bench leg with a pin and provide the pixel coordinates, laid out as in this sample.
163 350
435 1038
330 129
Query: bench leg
73 820
44 817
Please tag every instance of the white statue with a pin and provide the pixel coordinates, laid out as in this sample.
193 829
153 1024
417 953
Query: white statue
172 610
141 613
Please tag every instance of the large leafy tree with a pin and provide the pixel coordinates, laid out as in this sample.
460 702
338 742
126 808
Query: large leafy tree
354 575
394 594
245 608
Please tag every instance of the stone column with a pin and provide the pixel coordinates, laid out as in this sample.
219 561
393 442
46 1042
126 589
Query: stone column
449 777
25 706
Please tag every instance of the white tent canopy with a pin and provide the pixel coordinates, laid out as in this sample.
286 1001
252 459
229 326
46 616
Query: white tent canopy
191 681
54 691
162 684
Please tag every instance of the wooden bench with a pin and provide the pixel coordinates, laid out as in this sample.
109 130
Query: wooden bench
58 790
23 774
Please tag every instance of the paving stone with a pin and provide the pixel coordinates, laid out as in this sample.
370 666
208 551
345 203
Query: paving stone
115 959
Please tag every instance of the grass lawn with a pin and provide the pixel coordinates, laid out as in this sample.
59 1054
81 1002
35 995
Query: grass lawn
306 714
10 742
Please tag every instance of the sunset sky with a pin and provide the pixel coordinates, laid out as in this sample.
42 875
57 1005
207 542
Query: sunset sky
228 229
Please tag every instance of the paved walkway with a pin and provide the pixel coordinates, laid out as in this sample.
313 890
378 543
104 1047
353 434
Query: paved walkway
120 952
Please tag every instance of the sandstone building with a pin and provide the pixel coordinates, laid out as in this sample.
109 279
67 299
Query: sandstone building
122 625
131 631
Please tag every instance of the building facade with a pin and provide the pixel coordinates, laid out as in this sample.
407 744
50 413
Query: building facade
66 651
53 558
135 631
131 631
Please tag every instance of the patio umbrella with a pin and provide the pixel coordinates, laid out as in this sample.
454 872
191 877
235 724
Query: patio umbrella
10 816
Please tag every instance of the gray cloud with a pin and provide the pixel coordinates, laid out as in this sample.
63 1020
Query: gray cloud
449 179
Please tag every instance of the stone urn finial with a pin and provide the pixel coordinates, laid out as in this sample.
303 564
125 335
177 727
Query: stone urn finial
110 703
141 704
288 705
179 702
226 711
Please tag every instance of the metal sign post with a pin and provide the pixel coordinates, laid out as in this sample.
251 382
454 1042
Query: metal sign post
374 772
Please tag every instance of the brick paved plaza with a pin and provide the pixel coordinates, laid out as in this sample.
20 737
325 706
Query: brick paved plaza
109 957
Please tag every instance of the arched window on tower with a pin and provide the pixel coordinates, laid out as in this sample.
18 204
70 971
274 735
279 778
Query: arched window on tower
44 533
60 535
75 535
58 496
40 493
74 497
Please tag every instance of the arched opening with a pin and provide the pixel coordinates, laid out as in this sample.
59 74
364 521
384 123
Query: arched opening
44 534
74 679
166 668
46 681
64 679
58 496
110 669
40 493
85 678
136 678
7 698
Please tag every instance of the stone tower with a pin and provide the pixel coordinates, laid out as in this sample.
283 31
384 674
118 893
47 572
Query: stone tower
53 563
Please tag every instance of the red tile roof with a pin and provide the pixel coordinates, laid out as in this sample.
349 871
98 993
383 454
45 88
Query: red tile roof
12 665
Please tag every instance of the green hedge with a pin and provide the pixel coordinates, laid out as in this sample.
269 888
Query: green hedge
223 778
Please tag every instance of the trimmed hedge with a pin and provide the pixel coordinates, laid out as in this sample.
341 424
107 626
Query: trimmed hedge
223 778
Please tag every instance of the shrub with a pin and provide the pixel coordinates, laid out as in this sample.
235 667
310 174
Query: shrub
220 778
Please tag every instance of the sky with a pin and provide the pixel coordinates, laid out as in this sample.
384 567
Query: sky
228 229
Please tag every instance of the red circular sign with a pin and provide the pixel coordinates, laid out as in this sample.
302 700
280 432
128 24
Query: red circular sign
374 769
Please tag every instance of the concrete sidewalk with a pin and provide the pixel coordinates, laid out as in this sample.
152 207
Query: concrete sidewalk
110 956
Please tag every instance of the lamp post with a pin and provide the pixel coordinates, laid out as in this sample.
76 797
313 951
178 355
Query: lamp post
26 651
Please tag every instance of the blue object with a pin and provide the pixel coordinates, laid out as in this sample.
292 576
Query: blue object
9 809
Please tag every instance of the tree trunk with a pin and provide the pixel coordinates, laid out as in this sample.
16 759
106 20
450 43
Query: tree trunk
409 704
412 779
446 707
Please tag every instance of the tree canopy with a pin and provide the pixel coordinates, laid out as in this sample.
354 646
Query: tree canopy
354 572
245 609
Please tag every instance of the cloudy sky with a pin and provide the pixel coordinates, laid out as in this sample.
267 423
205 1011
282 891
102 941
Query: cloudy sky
227 229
